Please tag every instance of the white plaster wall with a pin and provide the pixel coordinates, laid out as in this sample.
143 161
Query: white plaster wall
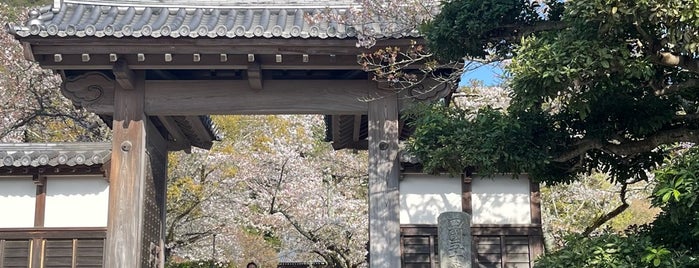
17 202
76 202
423 197
500 200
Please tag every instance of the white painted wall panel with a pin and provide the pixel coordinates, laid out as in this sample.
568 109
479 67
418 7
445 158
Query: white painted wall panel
500 200
423 197
17 202
76 202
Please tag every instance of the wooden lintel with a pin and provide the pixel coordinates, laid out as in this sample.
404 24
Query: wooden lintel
187 97
124 75
255 75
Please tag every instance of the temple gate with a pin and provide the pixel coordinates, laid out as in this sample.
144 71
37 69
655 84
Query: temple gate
156 69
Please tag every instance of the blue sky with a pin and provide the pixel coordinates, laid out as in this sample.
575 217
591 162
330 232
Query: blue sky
490 74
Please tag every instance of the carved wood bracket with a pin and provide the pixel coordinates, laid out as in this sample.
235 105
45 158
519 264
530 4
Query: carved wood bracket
87 89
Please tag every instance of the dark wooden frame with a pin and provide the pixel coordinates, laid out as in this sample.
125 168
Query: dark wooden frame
38 238
532 231
40 175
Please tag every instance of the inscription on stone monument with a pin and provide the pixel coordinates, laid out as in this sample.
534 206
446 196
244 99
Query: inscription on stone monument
454 230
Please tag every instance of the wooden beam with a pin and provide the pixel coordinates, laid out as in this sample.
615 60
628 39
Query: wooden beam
179 142
536 242
255 75
105 45
200 130
466 185
199 97
534 201
123 75
207 62
127 184
235 97
40 207
384 199
335 126
155 198
27 51
356 129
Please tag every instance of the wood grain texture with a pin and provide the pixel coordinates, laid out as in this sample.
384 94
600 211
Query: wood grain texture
493 246
154 218
384 200
236 97
536 242
40 206
198 97
123 74
126 186
466 194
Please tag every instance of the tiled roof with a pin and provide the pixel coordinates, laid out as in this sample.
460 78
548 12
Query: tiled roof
99 19
54 154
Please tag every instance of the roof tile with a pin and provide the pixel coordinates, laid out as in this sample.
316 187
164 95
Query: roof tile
54 154
100 20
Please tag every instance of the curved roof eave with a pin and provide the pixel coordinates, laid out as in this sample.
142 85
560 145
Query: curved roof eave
103 19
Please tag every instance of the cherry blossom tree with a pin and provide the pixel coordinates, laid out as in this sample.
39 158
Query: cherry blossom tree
32 106
275 179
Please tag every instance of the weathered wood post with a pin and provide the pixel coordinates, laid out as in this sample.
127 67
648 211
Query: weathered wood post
137 180
454 230
384 199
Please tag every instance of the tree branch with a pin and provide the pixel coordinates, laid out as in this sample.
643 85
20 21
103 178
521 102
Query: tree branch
276 189
672 60
674 88
632 147
610 215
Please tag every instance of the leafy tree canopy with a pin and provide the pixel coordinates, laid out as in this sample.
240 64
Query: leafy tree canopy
596 85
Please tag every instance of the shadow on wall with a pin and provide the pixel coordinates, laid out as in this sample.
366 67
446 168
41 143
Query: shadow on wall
500 200
424 197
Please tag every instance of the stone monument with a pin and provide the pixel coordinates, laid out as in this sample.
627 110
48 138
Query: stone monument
454 230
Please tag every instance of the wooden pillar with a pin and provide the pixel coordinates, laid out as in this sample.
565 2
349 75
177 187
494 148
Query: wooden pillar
37 251
156 192
124 243
536 241
384 199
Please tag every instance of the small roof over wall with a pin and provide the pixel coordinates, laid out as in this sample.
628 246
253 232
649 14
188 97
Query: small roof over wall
54 158
182 19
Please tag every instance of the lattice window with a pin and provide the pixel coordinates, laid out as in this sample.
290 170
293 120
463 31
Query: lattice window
491 252
14 253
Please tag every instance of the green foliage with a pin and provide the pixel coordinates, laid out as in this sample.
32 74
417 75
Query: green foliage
671 240
676 193
472 28
615 250
597 85
572 207
447 138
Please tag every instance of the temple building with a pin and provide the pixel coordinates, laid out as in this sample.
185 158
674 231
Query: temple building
155 70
